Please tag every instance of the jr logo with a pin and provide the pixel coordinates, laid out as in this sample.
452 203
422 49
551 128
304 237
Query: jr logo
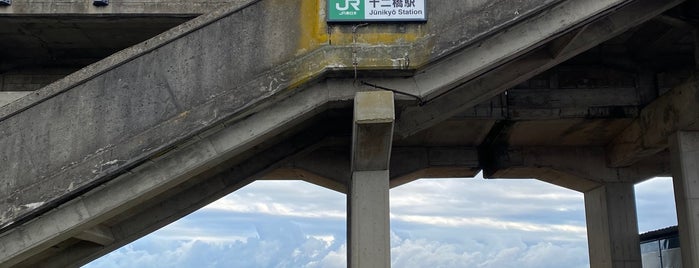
348 3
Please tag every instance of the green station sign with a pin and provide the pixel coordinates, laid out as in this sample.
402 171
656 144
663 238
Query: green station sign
376 10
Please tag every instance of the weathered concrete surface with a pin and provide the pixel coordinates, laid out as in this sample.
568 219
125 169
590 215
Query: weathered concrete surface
218 99
6 97
369 232
372 135
330 165
479 89
684 147
122 7
42 45
612 228
584 172
117 112
174 184
31 79
648 134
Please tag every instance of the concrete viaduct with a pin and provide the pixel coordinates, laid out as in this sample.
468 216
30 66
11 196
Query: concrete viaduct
120 119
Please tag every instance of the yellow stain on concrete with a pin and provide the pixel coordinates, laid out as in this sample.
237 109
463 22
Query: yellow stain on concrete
315 33
376 35
313 27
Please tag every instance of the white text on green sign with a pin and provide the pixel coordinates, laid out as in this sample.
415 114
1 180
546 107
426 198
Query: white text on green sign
376 10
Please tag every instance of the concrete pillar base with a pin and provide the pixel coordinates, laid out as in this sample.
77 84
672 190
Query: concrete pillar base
684 147
369 231
612 226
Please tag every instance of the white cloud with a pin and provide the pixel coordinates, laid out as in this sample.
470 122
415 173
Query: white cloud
490 223
655 204
435 223
334 259
284 198
497 252
237 204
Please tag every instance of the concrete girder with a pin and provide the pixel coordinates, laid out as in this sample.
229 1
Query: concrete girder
552 176
561 45
294 173
589 103
435 173
556 102
576 168
6 97
100 235
499 49
203 153
64 255
413 163
648 134
497 79
329 166
181 200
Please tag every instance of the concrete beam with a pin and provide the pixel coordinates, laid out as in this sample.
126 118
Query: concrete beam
203 152
612 228
561 45
329 166
287 173
7 97
374 114
552 176
577 168
412 163
497 78
588 103
168 206
553 101
648 134
100 235
434 173
684 147
63 257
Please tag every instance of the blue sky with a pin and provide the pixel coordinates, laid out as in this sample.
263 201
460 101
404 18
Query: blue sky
434 223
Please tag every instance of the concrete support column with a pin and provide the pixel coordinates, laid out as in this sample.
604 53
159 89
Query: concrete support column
368 211
369 232
684 147
612 226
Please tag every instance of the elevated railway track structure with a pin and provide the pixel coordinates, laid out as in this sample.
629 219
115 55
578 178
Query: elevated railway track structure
118 119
